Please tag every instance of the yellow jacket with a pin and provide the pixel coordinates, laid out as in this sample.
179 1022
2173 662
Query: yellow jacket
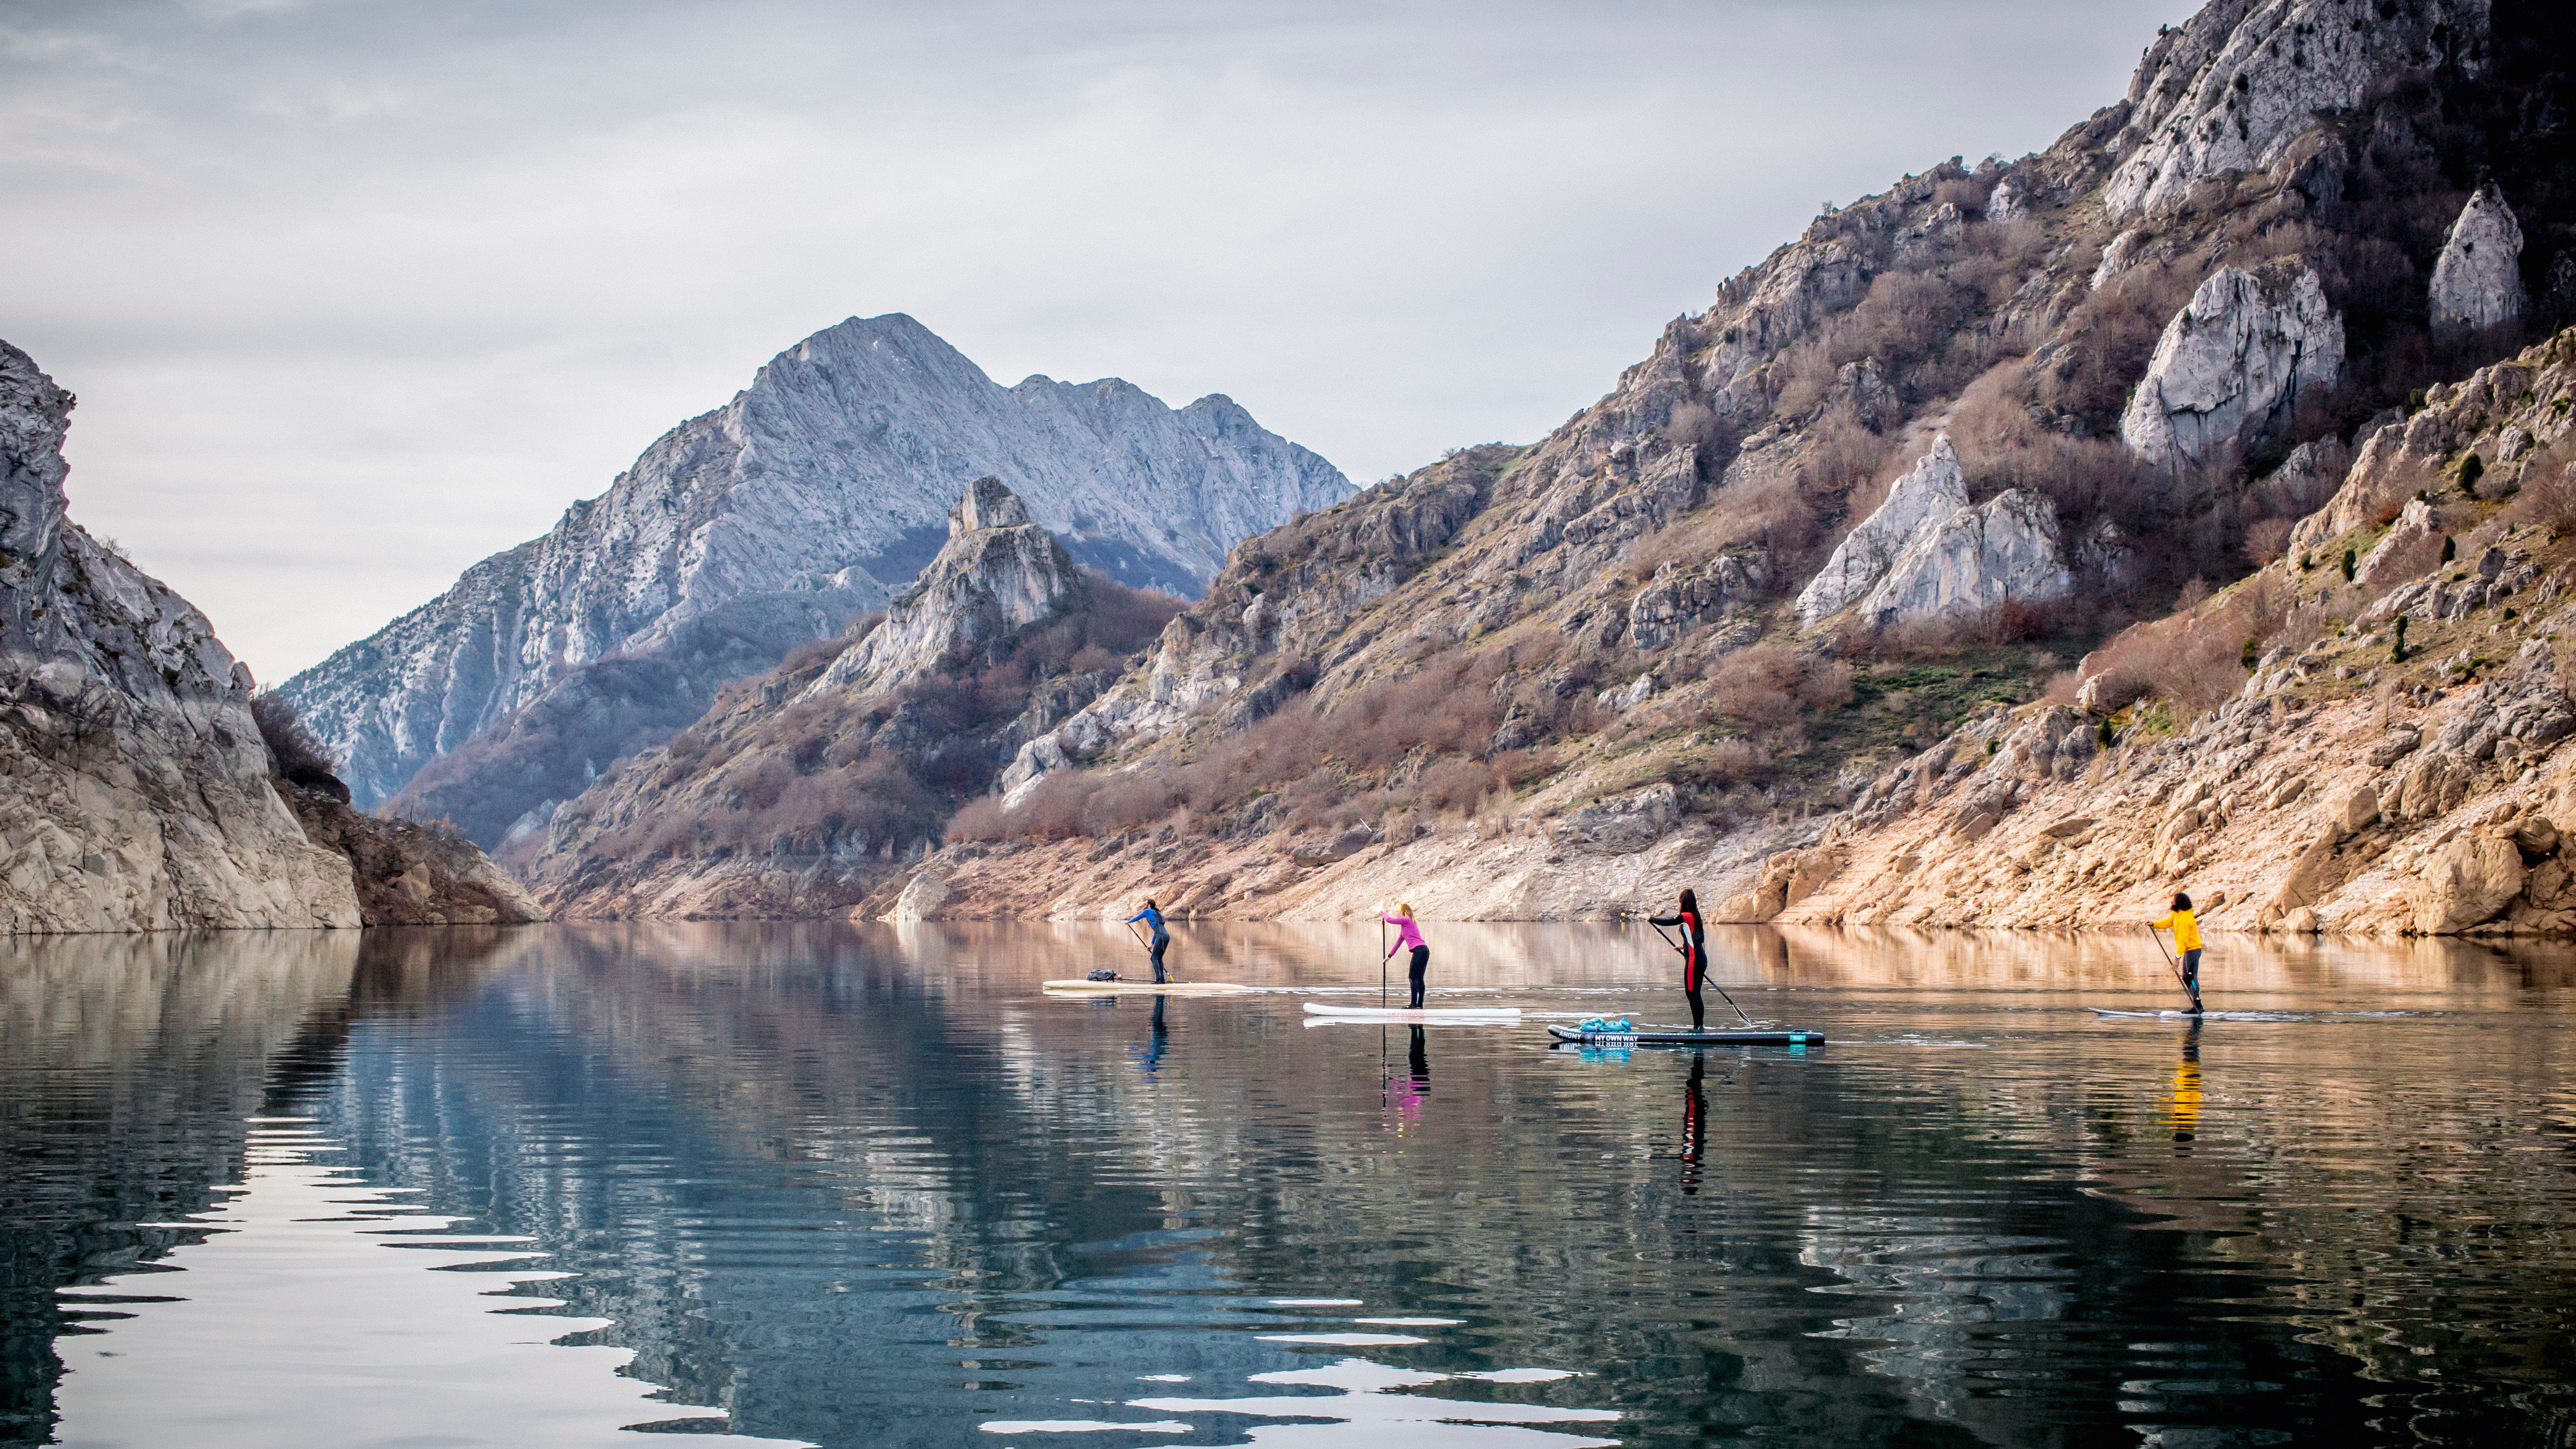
2186 935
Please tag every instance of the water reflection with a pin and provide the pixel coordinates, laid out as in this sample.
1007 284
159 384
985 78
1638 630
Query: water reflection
869 1186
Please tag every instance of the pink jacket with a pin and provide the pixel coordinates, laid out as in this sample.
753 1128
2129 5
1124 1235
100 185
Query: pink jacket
1407 934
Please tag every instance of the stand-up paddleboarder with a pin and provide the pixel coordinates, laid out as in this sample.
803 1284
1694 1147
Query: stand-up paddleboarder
1694 948
2186 934
1408 936
1153 918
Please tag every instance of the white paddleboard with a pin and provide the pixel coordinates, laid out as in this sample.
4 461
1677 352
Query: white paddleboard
1145 988
1497 1014
2196 1016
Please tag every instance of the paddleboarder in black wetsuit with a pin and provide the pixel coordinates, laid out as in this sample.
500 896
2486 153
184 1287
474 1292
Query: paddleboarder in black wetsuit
1162 938
1694 949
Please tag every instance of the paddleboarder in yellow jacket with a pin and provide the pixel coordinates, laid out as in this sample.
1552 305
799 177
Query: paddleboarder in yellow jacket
2186 934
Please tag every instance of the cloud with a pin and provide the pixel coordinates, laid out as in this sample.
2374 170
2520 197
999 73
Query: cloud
389 286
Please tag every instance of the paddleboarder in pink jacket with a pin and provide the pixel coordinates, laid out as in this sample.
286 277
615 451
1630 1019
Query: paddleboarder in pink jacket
1409 935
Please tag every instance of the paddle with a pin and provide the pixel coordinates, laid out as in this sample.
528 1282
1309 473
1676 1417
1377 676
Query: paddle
2170 963
1381 960
1703 972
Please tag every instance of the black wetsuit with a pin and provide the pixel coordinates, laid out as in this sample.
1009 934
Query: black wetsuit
1694 961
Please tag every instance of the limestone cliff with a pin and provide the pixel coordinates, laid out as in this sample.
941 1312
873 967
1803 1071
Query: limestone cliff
760 528
136 791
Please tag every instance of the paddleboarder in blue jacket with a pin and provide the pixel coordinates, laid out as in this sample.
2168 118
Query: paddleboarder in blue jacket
1153 918
1694 949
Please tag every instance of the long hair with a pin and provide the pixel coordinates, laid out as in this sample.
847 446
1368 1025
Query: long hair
2181 902
1405 910
1690 902
1149 904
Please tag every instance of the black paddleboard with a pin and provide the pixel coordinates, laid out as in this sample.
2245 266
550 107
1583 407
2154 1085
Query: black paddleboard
1688 1038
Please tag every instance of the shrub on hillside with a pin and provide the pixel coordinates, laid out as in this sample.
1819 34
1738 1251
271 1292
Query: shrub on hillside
296 751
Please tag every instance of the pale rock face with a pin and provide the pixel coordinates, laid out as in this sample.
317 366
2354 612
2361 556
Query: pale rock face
2115 257
1926 552
137 794
1681 597
2477 281
2400 553
2005 550
791 508
2466 883
992 577
2007 202
2235 86
2233 363
1930 492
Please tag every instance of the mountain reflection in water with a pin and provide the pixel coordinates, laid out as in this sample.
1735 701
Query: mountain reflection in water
867 1185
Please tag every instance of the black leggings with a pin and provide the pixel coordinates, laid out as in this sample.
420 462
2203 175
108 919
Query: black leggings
1421 959
1159 947
2191 975
1692 972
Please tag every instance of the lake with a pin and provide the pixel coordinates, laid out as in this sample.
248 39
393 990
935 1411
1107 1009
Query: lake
838 1185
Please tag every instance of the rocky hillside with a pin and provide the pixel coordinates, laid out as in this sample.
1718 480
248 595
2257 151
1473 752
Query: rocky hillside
1897 478
142 793
2383 751
807 788
763 526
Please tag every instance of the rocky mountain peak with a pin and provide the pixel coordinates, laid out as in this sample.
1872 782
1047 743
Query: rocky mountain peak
987 504
998 573
2233 87
763 527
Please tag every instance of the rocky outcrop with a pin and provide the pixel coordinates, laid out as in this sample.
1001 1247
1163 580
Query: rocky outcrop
2005 550
2232 365
136 791
2477 281
789 509
1925 552
1928 494
2504 414
2465 883
2234 86
998 573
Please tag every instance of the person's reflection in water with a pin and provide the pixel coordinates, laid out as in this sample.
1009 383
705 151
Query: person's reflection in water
1151 1055
2182 1108
1404 1094
1694 1122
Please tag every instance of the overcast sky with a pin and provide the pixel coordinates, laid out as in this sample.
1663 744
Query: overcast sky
355 293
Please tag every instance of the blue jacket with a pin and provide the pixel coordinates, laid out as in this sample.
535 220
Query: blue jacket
1155 917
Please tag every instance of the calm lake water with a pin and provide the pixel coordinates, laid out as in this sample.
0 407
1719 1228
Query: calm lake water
868 1186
